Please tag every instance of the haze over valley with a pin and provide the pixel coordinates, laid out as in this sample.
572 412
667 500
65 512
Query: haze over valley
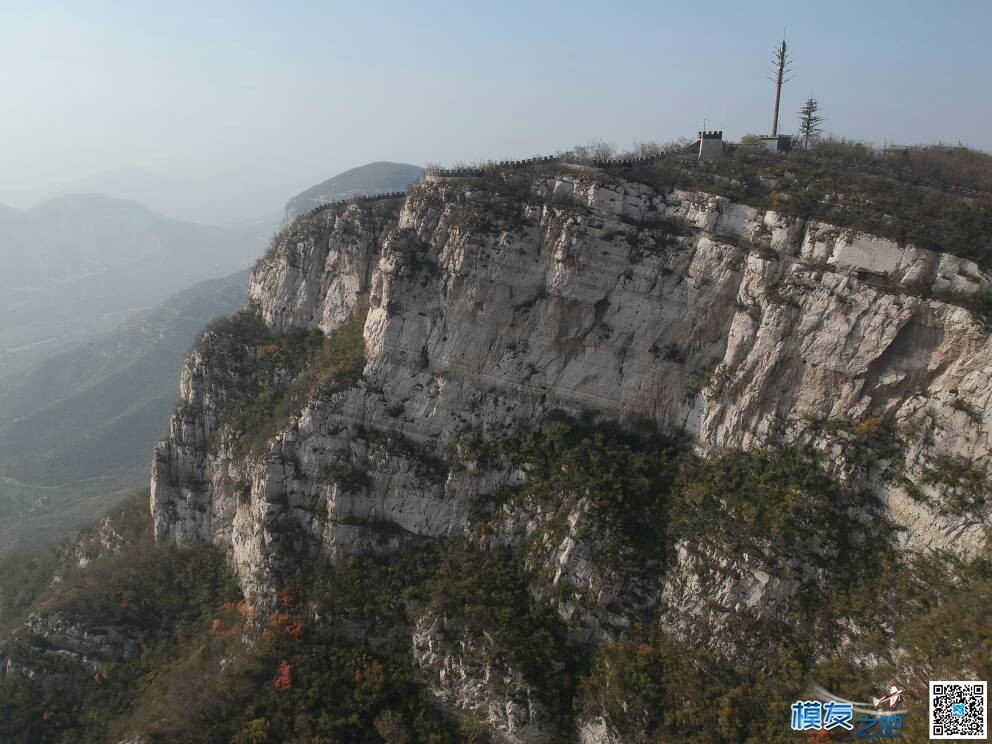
495 373
81 264
98 316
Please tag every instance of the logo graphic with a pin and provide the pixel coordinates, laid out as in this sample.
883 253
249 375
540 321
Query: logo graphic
813 715
828 712
892 697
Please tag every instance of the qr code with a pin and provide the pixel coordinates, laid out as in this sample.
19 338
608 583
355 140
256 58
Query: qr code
958 710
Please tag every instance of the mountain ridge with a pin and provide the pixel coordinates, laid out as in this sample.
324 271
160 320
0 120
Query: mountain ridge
62 423
489 304
381 176
78 263
562 453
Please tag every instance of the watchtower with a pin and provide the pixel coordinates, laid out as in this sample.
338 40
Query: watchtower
710 144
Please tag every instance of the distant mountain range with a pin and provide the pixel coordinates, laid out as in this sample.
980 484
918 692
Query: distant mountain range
97 313
214 201
78 265
80 423
373 178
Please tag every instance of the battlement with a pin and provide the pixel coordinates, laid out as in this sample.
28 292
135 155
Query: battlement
490 168
503 165
357 199
710 144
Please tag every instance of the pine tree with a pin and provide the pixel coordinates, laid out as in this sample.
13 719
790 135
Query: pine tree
809 122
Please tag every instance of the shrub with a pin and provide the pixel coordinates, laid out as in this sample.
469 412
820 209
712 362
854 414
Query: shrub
965 484
283 680
485 594
347 476
852 185
260 400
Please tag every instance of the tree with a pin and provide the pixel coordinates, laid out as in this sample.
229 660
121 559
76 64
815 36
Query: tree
596 151
809 122
284 679
600 150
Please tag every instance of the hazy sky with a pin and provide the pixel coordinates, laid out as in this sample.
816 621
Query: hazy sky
239 105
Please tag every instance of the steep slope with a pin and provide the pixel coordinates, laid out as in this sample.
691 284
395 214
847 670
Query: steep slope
92 412
545 455
101 635
487 310
829 389
372 178
78 264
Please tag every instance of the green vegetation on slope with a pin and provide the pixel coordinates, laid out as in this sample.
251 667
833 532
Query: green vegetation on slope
849 185
279 372
156 594
78 427
298 681
332 661
931 608
622 479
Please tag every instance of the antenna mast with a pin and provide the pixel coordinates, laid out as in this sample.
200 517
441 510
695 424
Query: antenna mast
781 66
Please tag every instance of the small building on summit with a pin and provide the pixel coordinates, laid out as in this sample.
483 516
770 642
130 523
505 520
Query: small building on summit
775 142
710 144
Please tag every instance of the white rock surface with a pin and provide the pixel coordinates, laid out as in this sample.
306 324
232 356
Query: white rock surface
486 312
468 679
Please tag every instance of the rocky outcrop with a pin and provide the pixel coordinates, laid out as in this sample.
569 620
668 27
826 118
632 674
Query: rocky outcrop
469 680
702 592
598 731
54 644
321 269
105 538
492 301
90 646
563 546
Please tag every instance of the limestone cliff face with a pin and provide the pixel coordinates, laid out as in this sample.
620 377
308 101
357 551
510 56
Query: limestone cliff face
490 305
467 680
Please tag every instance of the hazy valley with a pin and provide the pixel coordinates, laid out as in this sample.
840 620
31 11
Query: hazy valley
679 436
501 449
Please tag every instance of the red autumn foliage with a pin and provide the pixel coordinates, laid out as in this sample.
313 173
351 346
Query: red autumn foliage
286 596
819 737
294 630
240 607
283 622
284 679
279 620
267 350
229 621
